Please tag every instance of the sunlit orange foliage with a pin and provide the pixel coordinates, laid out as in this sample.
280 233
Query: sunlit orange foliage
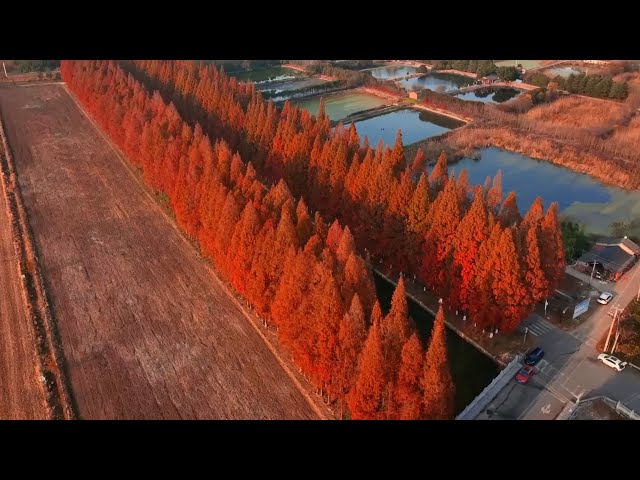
437 385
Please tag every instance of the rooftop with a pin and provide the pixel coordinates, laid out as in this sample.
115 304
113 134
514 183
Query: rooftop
614 254
623 242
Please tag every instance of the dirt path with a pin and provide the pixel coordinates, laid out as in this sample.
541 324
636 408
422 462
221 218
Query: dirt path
147 332
21 395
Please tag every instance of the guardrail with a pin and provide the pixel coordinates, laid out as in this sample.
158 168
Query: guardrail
617 406
627 412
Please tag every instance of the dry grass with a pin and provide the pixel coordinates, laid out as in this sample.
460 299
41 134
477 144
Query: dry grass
628 135
578 112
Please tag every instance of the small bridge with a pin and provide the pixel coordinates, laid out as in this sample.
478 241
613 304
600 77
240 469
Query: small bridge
542 67
477 406
407 77
514 85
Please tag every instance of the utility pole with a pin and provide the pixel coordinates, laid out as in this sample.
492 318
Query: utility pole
615 316
592 272
526 330
5 70
615 342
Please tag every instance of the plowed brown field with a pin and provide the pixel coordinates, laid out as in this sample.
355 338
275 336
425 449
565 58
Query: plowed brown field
147 331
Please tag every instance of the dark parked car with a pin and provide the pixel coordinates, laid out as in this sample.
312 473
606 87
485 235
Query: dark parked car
534 356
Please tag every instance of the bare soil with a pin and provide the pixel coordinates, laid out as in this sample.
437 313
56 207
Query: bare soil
21 396
147 331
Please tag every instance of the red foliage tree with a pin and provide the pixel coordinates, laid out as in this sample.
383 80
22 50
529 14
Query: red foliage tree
352 334
552 248
396 329
509 213
508 284
438 401
467 240
440 172
242 246
494 195
408 395
419 163
436 262
534 275
366 398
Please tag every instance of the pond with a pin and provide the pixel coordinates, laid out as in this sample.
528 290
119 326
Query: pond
579 196
268 75
416 125
471 369
440 82
391 71
527 64
339 105
490 95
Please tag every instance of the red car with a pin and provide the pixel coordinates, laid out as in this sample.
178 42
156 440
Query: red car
525 374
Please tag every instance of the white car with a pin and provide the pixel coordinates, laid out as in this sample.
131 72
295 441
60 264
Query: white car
604 298
611 361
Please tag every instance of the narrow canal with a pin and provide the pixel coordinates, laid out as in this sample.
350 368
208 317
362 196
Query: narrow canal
471 369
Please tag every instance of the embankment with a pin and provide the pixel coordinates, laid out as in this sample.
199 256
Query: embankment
51 363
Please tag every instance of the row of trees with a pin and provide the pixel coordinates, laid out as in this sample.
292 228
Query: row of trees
583 84
481 68
300 274
414 221
593 86
26 66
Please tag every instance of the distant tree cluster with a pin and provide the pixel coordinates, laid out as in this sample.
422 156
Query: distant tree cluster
356 64
508 74
480 67
537 78
575 240
593 86
26 66
350 77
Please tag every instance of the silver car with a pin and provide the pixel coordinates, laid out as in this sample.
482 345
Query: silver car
604 298
613 362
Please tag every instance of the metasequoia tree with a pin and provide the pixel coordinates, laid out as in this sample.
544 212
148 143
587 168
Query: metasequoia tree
438 400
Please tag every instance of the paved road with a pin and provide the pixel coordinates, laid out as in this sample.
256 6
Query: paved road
570 367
